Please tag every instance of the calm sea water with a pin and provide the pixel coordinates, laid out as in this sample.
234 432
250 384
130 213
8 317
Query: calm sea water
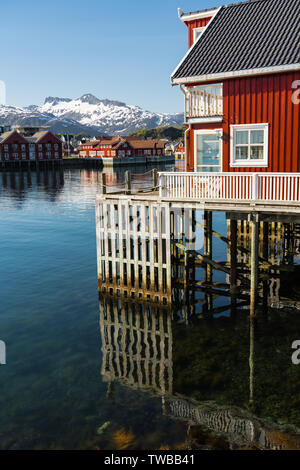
54 394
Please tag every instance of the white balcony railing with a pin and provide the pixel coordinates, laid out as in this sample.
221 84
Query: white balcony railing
203 101
280 187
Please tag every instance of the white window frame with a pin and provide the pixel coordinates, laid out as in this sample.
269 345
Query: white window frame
249 163
208 131
197 30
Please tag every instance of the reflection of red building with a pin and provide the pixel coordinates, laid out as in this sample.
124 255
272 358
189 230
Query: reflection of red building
117 147
42 145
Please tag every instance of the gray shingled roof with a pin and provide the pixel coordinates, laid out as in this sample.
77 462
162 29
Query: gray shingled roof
244 36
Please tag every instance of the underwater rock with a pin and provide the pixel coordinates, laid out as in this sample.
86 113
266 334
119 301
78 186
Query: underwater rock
102 428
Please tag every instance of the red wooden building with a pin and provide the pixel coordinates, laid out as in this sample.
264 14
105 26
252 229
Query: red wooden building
122 147
42 145
241 81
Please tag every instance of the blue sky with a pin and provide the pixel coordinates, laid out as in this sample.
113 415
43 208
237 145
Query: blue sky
116 49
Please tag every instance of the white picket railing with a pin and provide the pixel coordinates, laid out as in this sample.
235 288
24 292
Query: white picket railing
230 186
204 101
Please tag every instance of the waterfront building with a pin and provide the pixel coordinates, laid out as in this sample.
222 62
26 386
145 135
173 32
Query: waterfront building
179 151
24 143
122 147
240 84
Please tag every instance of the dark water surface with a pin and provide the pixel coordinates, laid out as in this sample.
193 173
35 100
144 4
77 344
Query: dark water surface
57 391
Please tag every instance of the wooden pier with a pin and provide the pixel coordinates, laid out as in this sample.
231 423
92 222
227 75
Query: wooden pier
146 244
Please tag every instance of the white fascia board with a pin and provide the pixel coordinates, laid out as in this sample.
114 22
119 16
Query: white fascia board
200 120
237 73
197 16
190 49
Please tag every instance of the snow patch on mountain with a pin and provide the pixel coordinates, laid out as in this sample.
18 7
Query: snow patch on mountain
88 114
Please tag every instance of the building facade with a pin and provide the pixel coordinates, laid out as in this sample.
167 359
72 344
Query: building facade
42 145
122 147
241 82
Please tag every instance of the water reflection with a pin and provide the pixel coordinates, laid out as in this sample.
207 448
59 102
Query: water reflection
174 320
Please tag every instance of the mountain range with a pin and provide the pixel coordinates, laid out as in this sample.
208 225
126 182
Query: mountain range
87 114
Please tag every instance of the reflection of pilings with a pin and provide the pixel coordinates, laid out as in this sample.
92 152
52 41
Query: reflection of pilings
251 361
236 425
136 344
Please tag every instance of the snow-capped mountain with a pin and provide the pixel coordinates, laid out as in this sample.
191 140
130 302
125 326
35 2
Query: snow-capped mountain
87 114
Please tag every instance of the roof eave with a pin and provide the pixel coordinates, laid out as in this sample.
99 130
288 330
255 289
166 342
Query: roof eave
198 15
237 73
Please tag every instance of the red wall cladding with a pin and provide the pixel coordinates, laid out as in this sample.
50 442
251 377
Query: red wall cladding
195 24
263 99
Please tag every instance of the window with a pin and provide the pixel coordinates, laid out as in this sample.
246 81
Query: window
208 150
249 145
6 147
15 156
23 156
23 147
197 33
40 146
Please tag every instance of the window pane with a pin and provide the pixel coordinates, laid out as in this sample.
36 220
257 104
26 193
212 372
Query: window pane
241 153
209 169
208 149
257 152
241 137
257 137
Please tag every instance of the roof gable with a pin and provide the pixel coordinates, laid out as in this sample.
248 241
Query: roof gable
42 136
256 34
12 136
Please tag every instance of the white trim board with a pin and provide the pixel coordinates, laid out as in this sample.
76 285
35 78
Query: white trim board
197 15
197 132
249 163
237 73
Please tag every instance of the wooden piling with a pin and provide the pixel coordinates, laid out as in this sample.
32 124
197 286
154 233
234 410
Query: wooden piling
254 262
103 183
154 178
127 182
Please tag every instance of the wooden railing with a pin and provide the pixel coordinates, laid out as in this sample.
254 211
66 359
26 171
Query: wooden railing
231 186
203 101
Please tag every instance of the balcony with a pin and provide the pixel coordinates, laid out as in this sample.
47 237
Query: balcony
204 103
235 187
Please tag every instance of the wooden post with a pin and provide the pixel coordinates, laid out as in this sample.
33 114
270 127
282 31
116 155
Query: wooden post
233 256
127 182
254 262
103 183
154 178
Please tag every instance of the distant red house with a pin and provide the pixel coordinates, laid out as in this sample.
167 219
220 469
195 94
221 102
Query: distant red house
241 81
179 151
120 147
42 145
